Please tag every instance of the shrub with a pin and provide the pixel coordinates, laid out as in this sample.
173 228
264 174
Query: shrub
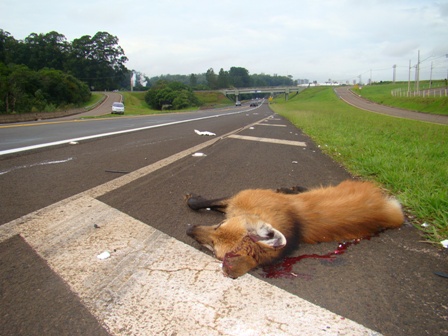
174 95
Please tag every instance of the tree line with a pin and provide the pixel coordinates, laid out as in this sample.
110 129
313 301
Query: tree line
97 60
235 77
176 91
45 71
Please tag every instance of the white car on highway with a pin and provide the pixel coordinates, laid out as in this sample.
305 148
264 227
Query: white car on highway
118 108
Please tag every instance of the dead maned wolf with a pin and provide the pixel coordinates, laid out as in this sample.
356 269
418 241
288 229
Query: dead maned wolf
262 226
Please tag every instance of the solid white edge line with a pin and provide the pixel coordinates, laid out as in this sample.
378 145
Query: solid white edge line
66 141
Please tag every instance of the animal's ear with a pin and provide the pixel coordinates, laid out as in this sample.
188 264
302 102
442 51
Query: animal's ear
262 232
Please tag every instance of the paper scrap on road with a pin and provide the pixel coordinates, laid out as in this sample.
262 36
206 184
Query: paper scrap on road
206 133
103 255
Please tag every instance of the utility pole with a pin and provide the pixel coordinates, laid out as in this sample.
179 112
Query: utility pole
430 77
409 79
394 72
417 72
132 82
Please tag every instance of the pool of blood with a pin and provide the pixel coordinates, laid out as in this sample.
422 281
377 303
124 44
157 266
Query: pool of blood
283 269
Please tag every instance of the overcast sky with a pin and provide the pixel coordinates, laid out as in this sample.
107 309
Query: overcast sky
312 39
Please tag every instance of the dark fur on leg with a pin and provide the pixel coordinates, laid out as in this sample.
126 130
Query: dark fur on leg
196 202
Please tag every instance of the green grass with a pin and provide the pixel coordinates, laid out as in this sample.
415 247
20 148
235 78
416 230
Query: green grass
94 99
409 158
382 94
135 104
213 99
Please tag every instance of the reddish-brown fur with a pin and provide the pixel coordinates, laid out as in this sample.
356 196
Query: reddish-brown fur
250 235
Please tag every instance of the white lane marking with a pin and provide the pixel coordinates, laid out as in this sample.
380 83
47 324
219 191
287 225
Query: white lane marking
43 163
275 125
65 141
276 141
154 284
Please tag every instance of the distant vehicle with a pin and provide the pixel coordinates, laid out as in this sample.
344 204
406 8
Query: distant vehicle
238 103
253 104
117 108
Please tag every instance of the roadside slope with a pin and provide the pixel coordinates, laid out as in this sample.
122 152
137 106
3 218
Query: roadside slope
350 98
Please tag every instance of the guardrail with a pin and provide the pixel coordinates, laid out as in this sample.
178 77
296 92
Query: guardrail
268 89
439 92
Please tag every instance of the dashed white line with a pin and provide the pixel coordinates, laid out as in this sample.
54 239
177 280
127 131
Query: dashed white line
274 125
275 141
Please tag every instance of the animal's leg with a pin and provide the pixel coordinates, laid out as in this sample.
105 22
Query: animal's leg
292 190
196 202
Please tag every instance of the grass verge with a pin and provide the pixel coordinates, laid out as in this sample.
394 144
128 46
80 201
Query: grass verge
407 157
94 99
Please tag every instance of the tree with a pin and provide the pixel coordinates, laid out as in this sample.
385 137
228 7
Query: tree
239 77
24 90
212 79
170 95
45 51
22 84
99 61
223 79
8 47
193 80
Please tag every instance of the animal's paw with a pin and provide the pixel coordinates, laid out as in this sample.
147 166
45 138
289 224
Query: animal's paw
193 201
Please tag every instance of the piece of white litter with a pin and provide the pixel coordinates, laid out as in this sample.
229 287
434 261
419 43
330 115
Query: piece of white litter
425 225
444 243
198 154
206 133
251 127
294 162
103 255
73 143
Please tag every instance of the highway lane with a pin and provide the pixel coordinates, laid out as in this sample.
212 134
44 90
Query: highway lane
38 177
24 136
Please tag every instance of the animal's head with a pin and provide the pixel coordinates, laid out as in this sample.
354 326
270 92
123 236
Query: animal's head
242 243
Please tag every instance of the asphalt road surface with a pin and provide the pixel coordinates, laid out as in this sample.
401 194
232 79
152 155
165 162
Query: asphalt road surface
63 205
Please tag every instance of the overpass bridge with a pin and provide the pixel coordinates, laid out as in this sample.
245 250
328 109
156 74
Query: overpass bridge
270 90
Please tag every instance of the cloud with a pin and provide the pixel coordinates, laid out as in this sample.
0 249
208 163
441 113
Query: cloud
307 39
400 49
